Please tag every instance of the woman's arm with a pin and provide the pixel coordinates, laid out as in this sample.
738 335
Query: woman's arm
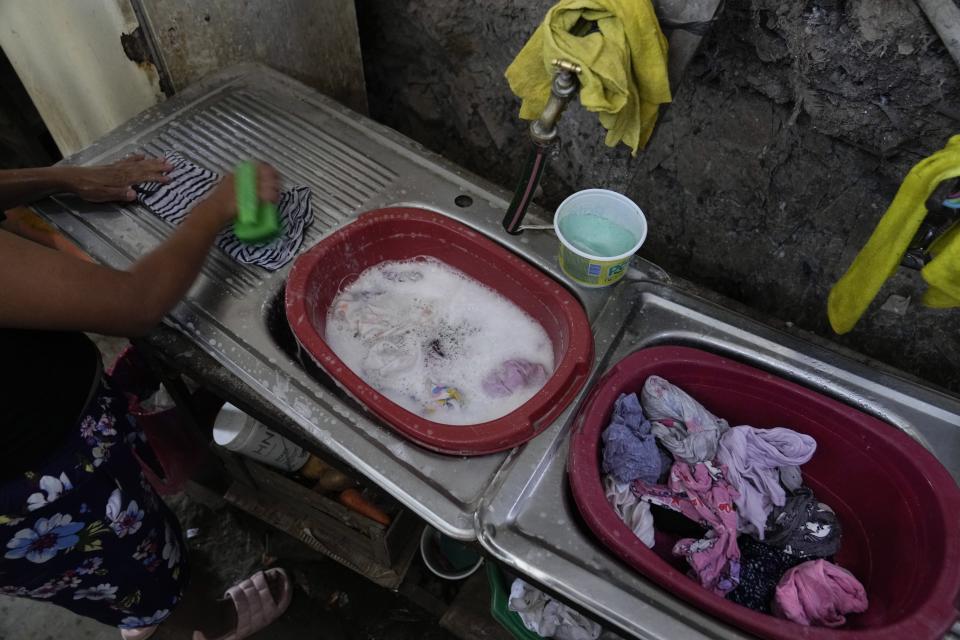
44 289
95 184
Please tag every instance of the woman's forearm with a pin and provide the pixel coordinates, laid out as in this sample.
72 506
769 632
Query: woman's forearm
44 289
161 278
23 186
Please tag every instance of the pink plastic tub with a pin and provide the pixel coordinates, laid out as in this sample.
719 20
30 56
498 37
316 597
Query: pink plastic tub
899 507
407 233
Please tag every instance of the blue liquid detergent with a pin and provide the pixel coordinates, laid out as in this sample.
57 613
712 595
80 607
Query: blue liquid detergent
597 235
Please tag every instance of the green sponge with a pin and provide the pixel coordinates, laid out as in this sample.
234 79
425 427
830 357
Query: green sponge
256 221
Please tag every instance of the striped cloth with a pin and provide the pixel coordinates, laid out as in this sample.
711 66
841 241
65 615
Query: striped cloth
189 183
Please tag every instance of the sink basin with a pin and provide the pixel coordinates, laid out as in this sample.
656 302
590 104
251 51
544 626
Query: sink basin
232 328
872 474
404 233
532 523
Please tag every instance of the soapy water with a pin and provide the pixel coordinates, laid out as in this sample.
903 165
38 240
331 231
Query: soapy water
596 235
427 336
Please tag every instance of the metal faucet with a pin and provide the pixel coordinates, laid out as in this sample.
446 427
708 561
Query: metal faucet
543 132
941 217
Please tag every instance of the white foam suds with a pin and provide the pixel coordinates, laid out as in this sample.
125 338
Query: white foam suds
416 329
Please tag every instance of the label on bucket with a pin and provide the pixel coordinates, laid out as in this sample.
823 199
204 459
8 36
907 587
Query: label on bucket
597 273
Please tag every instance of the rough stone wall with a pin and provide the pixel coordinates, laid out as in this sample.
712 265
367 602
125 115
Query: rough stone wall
786 140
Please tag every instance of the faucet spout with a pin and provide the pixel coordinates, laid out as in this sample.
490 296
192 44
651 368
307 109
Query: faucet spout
543 132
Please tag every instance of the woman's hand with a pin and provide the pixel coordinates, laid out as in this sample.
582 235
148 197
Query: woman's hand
222 201
114 182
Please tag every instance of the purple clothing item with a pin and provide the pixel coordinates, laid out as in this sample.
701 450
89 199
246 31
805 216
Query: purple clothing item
680 423
753 458
511 376
819 593
629 448
702 494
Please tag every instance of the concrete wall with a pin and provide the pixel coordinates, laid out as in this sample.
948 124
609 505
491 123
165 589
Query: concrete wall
314 41
786 140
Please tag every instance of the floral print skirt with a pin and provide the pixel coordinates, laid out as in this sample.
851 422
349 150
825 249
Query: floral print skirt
86 531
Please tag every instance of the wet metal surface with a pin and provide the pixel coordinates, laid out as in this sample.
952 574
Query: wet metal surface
235 312
517 502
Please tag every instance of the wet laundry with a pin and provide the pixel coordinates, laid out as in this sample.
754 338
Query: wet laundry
749 484
630 450
754 459
702 494
548 618
513 375
435 341
190 183
819 593
634 512
682 425
761 568
804 527
444 397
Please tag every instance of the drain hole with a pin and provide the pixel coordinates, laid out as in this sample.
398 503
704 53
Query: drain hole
463 201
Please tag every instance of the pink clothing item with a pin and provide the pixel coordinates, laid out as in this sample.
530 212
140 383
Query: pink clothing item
701 493
754 459
513 375
818 593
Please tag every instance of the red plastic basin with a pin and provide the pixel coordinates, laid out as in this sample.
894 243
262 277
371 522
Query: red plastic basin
406 233
899 507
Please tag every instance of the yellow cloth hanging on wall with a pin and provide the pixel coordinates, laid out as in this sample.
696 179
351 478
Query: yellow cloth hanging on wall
624 65
883 252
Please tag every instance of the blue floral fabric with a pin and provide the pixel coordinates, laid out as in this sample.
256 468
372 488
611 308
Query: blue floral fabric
86 531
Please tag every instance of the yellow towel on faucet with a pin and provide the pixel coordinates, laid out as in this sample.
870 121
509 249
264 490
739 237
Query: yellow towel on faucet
624 65
880 257
943 272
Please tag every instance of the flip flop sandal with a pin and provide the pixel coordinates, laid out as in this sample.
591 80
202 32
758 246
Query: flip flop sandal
256 608
140 633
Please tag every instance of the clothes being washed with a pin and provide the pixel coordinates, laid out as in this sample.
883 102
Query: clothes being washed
190 183
749 484
681 424
512 376
437 342
761 568
702 494
754 459
634 512
804 527
819 593
630 450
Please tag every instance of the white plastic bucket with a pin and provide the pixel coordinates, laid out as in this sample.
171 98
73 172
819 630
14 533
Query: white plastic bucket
597 270
236 431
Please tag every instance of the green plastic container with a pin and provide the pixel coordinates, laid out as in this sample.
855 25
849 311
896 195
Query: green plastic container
499 608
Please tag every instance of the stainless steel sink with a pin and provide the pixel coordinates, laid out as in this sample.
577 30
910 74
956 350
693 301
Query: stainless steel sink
529 521
516 502
235 313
